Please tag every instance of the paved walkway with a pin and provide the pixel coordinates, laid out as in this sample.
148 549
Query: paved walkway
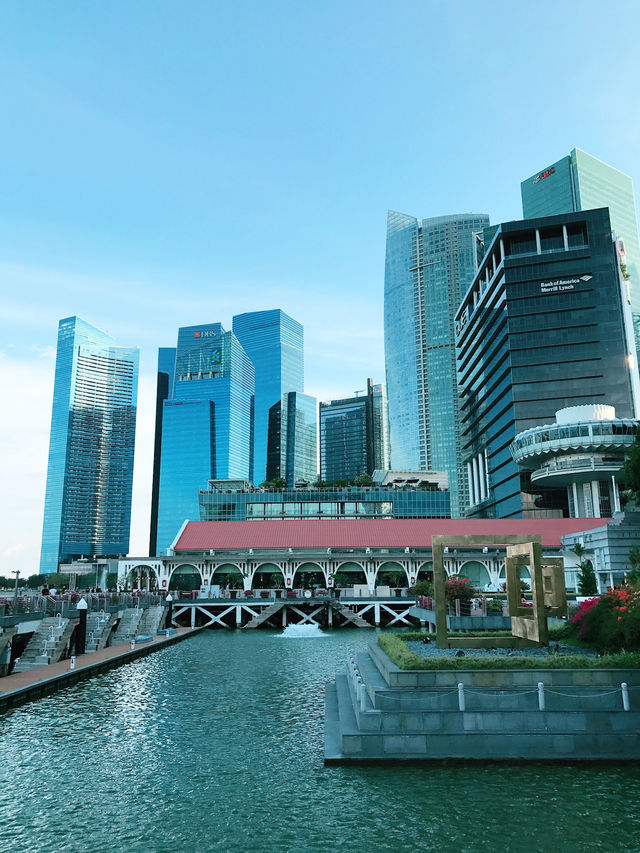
59 672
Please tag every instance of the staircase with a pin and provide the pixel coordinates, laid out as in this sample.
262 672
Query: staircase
152 620
127 630
98 629
348 615
47 644
266 614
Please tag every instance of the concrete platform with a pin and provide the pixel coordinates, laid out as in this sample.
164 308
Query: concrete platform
24 687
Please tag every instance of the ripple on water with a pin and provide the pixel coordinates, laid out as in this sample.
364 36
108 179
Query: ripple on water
215 744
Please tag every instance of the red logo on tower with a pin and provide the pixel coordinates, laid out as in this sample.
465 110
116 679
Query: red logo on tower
197 334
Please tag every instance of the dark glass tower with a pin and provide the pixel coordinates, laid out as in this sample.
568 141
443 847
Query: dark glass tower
582 182
164 390
353 435
90 471
206 423
275 344
545 325
292 451
429 265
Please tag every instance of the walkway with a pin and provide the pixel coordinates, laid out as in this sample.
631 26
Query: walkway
24 686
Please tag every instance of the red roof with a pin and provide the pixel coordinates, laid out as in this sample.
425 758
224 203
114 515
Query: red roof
363 533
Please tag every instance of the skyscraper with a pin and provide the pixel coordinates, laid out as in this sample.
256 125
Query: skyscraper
164 390
353 435
275 344
292 451
87 507
545 325
206 423
582 182
429 265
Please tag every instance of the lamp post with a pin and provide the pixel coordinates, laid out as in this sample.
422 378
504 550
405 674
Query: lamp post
16 572
169 600
81 630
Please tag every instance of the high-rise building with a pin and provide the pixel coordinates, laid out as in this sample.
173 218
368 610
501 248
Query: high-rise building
292 450
582 182
429 265
545 325
275 344
87 507
353 435
164 390
206 423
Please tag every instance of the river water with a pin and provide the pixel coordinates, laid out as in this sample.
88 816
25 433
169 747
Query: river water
215 744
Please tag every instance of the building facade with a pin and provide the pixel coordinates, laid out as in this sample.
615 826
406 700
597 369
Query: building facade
546 324
90 469
429 265
584 452
207 423
582 182
354 435
228 501
275 344
164 391
292 446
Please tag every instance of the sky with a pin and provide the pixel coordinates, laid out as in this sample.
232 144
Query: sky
175 162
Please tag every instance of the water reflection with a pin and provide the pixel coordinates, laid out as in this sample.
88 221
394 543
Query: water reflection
216 744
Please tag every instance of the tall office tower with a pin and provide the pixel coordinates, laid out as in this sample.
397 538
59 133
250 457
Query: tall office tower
353 435
164 390
275 344
545 325
429 265
206 423
87 507
582 182
292 449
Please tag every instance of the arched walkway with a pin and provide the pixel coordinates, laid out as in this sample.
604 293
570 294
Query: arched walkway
267 576
185 578
477 573
391 574
309 576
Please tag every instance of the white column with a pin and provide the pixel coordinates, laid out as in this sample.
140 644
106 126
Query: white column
565 238
476 484
538 245
481 476
616 494
501 249
472 499
595 493
576 505
486 472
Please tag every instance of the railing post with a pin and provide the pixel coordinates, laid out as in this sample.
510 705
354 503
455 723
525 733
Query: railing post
540 696
461 702
625 696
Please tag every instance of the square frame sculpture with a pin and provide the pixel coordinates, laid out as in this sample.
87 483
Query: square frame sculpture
528 624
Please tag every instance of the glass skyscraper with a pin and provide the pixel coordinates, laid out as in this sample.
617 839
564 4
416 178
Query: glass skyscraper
164 390
292 451
206 423
87 507
582 182
354 435
545 325
428 267
275 344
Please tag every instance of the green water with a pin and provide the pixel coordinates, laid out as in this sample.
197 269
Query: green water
215 744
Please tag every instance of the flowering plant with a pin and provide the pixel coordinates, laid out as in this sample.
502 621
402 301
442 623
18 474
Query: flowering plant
458 587
611 621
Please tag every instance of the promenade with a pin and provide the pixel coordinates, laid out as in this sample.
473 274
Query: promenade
43 680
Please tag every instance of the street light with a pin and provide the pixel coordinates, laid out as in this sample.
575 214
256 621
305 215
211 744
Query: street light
16 572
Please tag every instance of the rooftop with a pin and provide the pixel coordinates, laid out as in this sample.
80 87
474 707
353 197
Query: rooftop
364 533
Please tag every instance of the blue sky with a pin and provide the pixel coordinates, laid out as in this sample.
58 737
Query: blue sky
168 163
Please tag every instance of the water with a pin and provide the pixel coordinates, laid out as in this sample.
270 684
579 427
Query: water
311 632
215 744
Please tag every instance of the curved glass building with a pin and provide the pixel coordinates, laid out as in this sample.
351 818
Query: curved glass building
429 265
87 506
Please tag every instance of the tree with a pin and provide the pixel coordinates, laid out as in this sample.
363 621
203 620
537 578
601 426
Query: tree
587 583
363 480
631 471
632 578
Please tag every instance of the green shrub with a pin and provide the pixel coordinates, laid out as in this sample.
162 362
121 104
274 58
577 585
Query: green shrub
422 588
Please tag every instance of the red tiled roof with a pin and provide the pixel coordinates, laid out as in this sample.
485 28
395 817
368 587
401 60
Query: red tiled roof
363 533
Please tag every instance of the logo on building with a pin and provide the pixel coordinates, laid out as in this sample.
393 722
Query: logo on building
208 333
561 284
544 175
